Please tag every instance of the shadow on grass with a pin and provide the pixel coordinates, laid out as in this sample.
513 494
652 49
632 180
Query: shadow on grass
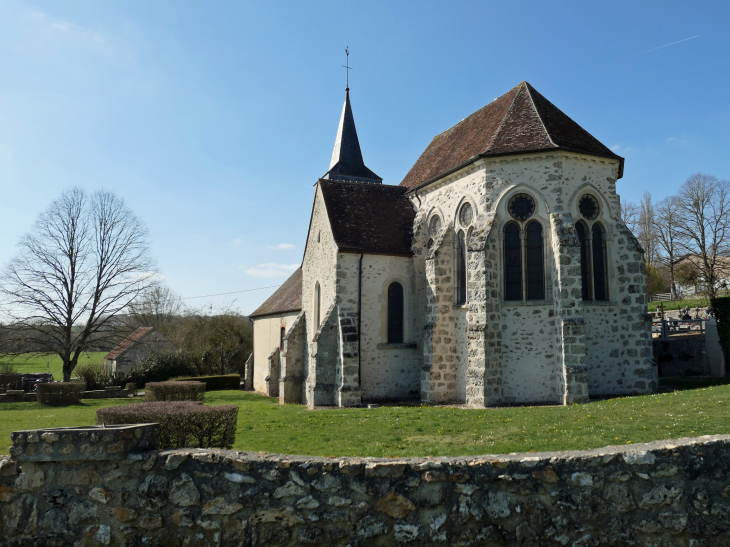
682 384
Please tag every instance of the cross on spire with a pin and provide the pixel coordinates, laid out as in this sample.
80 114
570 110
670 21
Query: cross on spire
347 67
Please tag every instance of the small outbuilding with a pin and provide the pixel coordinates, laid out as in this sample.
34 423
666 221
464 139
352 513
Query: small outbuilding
137 347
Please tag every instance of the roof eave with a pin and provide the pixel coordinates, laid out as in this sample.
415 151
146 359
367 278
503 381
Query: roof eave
501 154
268 313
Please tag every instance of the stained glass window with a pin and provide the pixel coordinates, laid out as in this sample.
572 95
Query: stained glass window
588 207
534 262
600 285
512 262
467 215
521 207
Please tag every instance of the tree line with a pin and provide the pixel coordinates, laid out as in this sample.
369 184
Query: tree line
685 237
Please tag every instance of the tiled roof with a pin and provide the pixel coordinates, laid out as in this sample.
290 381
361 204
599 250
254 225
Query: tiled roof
369 218
519 121
288 297
128 342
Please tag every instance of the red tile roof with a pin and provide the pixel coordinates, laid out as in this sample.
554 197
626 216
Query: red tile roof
128 342
369 218
287 298
519 121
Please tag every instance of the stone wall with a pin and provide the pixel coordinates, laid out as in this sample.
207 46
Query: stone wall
667 494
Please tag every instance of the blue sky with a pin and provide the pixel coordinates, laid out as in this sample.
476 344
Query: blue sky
214 119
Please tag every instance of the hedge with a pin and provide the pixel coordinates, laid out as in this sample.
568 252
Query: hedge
174 391
59 393
216 383
721 307
183 424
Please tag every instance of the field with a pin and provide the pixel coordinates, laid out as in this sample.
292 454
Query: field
264 425
681 304
50 363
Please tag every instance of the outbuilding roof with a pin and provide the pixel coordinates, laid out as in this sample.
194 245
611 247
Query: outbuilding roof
287 298
128 342
519 121
369 218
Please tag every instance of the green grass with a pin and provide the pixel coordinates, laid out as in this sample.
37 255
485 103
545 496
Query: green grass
49 363
264 425
680 304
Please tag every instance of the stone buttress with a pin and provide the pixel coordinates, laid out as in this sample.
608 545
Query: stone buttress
292 362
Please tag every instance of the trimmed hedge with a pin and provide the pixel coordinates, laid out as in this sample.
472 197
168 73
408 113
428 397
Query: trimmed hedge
216 383
175 391
721 307
183 424
60 393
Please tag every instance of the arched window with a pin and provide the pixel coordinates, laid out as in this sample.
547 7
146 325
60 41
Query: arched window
317 304
512 262
593 257
524 263
585 262
600 281
281 338
534 262
461 268
395 313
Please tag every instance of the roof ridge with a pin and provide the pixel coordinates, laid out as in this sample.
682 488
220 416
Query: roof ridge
537 111
504 119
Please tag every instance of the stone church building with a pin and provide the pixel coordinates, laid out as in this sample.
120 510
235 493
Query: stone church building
497 272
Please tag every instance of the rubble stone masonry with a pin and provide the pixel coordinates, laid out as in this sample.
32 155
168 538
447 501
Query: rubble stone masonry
668 493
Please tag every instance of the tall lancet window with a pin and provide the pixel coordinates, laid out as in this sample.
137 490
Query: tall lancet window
461 268
395 313
593 252
317 305
524 260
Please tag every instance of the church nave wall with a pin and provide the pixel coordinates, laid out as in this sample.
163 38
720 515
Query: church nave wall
389 371
266 338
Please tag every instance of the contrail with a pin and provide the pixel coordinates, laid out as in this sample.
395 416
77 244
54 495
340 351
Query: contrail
666 45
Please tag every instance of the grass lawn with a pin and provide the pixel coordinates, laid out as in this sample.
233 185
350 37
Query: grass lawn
264 425
49 363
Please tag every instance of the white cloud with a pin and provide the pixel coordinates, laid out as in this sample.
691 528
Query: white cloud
42 34
679 140
624 150
270 269
239 240
282 247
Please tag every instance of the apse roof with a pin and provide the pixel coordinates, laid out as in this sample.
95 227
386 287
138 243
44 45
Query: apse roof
520 121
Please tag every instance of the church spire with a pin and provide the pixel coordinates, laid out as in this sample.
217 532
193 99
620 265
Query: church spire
347 163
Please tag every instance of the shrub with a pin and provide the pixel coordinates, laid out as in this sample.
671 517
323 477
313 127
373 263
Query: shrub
95 377
59 393
183 424
131 387
174 391
216 383
721 307
161 367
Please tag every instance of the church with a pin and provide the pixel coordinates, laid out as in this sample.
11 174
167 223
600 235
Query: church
497 272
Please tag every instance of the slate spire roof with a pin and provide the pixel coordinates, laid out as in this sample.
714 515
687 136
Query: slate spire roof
347 163
519 121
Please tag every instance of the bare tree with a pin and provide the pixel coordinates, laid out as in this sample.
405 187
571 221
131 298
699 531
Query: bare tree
646 235
630 216
704 228
666 230
85 260
156 307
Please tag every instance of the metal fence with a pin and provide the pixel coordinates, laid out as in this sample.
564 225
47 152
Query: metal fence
668 327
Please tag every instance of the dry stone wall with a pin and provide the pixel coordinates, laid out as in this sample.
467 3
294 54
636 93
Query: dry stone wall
672 493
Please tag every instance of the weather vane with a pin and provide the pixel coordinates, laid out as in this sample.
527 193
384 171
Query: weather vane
347 66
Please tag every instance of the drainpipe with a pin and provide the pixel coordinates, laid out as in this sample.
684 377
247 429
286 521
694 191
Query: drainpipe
359 309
